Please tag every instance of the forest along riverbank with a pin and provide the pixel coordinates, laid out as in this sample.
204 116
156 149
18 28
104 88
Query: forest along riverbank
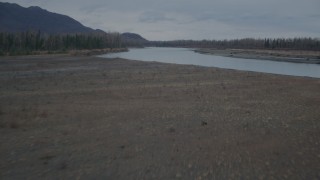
89 117
75 52
296 56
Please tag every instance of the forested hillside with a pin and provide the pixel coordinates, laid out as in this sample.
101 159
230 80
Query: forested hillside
30 30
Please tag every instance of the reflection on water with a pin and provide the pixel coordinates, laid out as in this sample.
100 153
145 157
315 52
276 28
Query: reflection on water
187 56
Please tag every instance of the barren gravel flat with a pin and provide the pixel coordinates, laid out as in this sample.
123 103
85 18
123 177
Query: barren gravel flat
296 56
68 117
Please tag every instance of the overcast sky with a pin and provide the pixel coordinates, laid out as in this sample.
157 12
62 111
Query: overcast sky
193 19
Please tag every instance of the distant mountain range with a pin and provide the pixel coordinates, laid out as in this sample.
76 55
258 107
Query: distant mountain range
15 18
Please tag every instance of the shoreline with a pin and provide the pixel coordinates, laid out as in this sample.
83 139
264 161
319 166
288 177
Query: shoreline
94 52
82 52
309 57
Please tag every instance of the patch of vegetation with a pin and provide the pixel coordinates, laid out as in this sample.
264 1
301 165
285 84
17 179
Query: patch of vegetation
246 43
31 42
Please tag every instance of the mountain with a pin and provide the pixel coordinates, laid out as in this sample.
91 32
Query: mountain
14 18
133 40
132 37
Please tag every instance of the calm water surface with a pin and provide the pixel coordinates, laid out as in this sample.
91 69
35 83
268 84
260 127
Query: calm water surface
187 56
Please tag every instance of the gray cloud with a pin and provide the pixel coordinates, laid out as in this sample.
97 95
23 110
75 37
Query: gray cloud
153 17
190 19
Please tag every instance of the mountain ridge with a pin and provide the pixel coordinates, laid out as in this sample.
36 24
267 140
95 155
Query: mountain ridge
15 18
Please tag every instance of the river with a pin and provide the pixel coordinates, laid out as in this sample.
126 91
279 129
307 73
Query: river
188 56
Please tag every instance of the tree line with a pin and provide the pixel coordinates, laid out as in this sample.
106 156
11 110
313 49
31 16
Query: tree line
247 43
22 43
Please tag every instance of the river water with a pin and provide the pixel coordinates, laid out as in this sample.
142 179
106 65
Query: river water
187 56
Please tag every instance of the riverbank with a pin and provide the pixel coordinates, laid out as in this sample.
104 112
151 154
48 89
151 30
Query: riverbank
296 56
75 52
94 52
85 117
